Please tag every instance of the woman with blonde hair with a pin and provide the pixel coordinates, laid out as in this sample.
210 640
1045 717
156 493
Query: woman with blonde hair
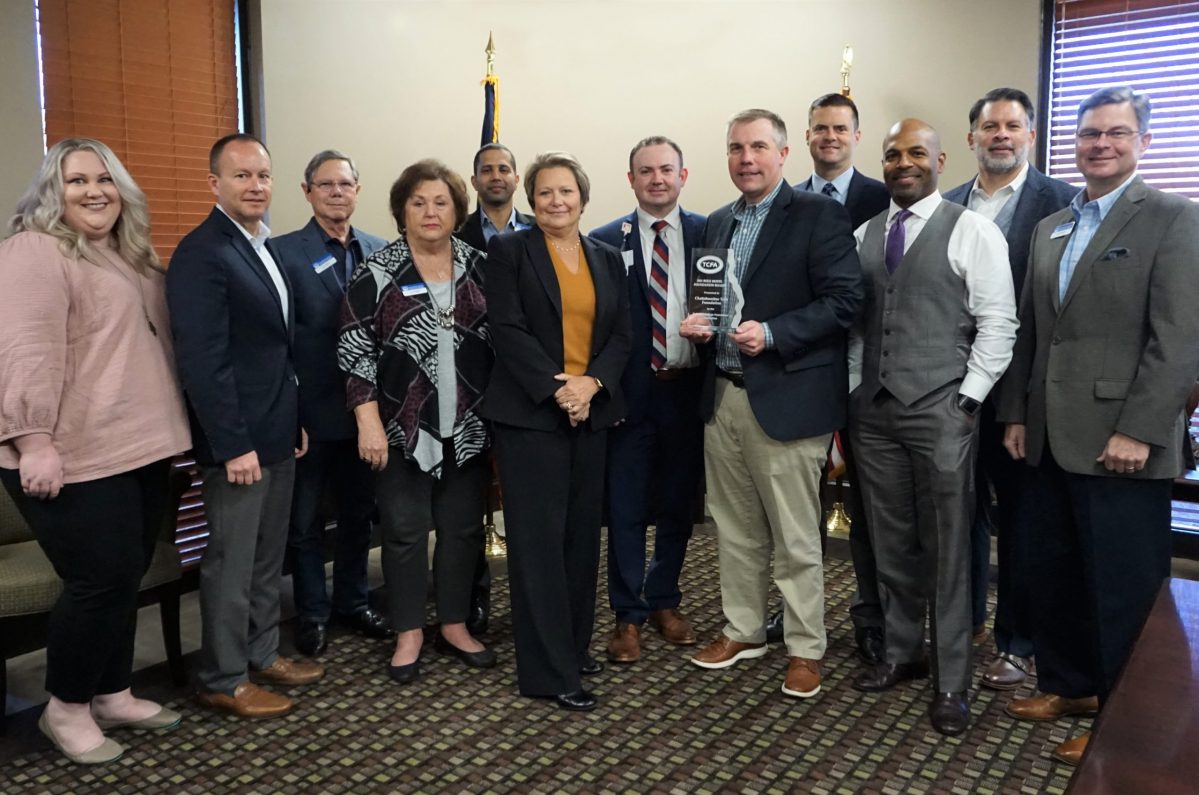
90 415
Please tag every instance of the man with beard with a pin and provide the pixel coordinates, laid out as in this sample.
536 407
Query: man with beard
935 335
1011 192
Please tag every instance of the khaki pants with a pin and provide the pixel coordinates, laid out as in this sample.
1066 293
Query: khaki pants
765 496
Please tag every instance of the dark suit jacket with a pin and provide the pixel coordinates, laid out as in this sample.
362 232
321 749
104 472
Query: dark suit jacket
232 347
1121 351
803 279
638 378
1041 196
524 307
471 232
317 298
866 198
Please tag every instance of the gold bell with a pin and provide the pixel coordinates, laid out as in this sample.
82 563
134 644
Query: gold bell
496 546
837 521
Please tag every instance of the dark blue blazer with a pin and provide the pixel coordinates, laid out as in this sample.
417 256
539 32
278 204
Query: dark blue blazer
637 379
318 298
866 198
1040 197
232 348
804 279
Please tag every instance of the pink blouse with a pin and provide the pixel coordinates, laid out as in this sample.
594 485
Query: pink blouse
78 361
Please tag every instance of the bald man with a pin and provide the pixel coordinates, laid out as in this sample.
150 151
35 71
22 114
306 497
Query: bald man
935 335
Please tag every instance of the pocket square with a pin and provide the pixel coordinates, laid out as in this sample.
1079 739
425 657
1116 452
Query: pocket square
1114 254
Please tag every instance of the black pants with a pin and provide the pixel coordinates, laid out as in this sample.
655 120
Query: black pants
410 503
553 485
99 536
1103 550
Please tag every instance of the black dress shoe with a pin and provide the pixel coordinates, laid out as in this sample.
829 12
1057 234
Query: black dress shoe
950 713
590 666
474 659
578 701
480 608
885 676
774 627
870 644
312 638
367 622
403 674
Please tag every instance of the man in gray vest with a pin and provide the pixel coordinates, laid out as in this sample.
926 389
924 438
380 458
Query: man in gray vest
934 337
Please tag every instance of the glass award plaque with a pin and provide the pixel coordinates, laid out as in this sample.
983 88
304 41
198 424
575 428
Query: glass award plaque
714 289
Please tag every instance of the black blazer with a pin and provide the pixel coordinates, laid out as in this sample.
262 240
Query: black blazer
318 298
866 198
638 378
804 279
471 232
1040 197
524 307
232 347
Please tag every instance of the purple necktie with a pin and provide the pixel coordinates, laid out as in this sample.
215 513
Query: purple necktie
895 240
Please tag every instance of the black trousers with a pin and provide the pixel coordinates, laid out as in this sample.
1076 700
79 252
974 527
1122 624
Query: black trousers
553 484
1103 550
411 502
99 536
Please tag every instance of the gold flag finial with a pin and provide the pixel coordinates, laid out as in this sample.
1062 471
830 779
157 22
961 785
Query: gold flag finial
846 65
490 54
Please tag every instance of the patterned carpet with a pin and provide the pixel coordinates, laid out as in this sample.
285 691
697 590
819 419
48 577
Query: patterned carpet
663 726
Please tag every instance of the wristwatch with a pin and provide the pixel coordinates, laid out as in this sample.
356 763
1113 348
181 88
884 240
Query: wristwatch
599 385
969 404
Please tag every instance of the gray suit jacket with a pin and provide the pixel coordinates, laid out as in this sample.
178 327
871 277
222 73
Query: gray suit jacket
1121 351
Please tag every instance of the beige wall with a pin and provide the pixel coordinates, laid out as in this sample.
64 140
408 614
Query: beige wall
392 82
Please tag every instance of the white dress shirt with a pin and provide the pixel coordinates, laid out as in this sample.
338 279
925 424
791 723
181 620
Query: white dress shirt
679 351
989 207
840 182
258 243
977 252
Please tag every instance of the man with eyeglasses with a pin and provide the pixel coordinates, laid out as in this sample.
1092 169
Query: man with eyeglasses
1106 355
1012 193
319 259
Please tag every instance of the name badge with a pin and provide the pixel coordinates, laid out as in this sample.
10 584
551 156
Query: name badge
416 288
1061 230
324 263
627 255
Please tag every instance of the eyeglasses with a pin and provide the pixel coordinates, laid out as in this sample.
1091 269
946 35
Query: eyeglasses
327 186
1116 135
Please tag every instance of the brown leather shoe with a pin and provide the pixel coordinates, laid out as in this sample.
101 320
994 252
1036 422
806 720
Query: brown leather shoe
1007 672
1047 706
248 701
625 645
674 627
1070 752
803 677
725 651
288 672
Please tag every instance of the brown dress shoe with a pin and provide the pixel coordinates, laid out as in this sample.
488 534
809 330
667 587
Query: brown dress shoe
1047 706
803 677
288 672
248 701
1007 672
725 651
674 628
625 645
1070 752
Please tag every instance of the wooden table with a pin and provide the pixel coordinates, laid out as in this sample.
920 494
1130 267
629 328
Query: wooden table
1146 740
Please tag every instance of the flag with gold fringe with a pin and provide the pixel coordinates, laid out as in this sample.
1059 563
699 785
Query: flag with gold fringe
491 99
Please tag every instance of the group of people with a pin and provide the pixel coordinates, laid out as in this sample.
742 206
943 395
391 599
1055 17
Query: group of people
394 375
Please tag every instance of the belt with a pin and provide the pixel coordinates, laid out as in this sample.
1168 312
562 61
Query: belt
733 378
672 373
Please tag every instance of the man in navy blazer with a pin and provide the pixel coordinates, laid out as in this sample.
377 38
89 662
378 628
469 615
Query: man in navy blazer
318 260
655 456
832 136
1011 192
232 317
775 388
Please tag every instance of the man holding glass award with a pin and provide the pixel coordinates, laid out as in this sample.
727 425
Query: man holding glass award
773 345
